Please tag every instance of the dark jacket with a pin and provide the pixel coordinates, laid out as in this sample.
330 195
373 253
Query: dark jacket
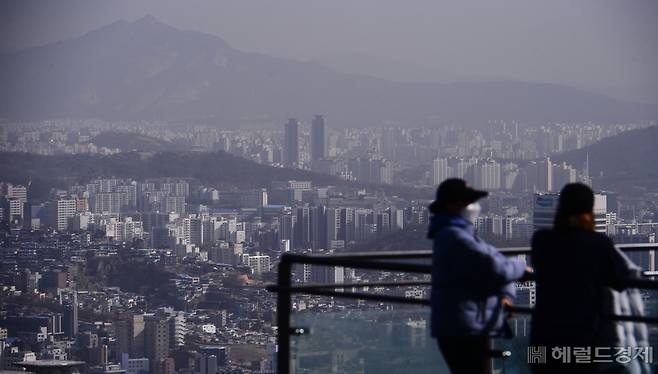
469 279
573 270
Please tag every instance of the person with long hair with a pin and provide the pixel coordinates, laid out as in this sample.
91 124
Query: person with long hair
575 267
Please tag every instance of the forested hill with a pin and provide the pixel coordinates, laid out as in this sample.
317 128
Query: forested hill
623 162
128 142
217 169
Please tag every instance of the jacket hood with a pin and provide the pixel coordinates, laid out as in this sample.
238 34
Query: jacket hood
439 221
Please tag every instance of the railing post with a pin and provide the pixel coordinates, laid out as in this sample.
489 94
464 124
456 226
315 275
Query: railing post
283 309
490 347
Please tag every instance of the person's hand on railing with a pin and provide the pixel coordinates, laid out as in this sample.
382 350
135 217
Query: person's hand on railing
507 303
529 274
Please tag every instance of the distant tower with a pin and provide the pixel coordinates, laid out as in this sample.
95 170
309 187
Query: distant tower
543 213
291 145
70 317
586 177
156 341
440 170
318 138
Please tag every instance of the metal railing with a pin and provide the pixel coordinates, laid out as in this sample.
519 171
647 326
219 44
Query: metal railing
389 261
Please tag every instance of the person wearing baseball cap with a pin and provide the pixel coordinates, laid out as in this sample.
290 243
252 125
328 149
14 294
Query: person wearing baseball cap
472 281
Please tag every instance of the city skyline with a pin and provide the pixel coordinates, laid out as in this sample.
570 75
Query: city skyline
305 186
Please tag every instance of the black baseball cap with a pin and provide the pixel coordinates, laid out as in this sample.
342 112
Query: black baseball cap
455 189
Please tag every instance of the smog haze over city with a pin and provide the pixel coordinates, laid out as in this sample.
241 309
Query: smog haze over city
215 186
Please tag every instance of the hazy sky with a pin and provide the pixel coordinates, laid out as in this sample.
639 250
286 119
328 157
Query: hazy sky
608 46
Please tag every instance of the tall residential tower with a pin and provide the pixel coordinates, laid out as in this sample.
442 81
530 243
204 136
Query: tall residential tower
291 143
318 138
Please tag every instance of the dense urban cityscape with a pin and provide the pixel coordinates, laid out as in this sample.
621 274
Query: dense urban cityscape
154 180
159 274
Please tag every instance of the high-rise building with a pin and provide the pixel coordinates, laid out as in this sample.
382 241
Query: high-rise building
123 230
109 202
302 237
134 365
156 340
177 329
563 174
381 171
440 170
60 212
600 213
545 207
318 222
174 204
383 222
545 175
259 264
17 192
70 316
291 146
288 229
210 359
543 212
327 274
333 227
318 138
254 198
464 168
347 228
487 175
195 230
130 334
397 219
16 208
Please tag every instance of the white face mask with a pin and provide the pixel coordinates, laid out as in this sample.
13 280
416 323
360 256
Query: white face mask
471 212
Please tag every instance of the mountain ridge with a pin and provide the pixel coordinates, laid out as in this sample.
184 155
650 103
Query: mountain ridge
623 162
147 69
217 169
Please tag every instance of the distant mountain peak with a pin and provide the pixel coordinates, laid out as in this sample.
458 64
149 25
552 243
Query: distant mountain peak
151 23
143 26
148 19
147 69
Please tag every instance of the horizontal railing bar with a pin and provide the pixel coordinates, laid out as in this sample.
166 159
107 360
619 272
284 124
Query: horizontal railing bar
642 283
628 247
300 287
303 288
519 309
426 302
510 251
640 319
374 254
637 247
366 263
361 296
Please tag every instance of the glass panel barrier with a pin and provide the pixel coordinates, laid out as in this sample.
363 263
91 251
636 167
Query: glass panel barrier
366 340
516 347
